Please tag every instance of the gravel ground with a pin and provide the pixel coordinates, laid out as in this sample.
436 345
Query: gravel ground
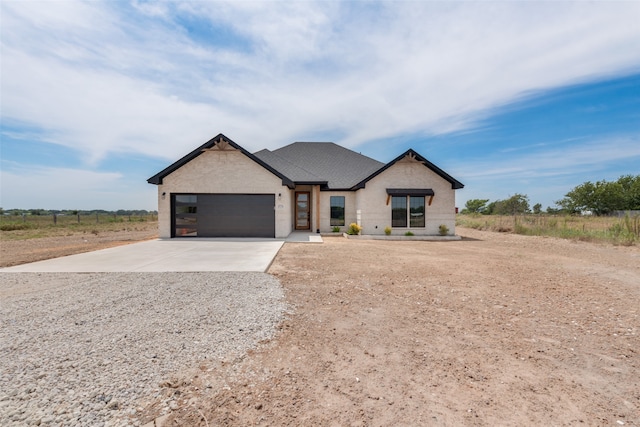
84 351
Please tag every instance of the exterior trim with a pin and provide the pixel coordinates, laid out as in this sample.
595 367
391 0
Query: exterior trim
157 178
455 184
410 192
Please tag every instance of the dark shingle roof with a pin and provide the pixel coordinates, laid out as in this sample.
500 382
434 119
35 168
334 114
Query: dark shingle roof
292 171
319 162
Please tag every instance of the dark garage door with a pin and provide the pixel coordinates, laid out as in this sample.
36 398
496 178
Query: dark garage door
234 215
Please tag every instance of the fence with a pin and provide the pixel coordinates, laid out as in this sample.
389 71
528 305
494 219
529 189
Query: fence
68 219
622 214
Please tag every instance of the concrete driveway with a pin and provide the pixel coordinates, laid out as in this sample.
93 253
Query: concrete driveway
166 255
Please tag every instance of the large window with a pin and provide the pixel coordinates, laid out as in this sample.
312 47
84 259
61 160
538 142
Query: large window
399 211
337 210
416 211
407 210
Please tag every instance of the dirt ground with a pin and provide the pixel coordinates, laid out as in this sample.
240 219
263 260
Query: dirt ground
496 329
15 252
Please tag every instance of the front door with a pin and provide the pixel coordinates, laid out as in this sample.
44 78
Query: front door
303 221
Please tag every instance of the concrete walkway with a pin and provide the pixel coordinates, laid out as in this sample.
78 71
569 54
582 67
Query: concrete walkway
166 255
199 254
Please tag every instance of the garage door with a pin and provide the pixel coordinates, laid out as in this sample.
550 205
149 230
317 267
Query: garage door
224 215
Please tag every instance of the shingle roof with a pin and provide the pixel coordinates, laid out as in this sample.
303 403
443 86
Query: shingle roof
292 171
317 162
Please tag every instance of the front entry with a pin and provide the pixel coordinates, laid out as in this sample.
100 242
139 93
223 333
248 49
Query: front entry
303 218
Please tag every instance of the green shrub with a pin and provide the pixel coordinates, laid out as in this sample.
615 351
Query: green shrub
354 229
16 226
443 230
387 231
336 229
408 233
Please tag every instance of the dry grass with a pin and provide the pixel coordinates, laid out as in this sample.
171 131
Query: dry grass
619 231
37 226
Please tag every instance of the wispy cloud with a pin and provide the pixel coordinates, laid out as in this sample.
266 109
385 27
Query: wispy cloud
563 160
90 190
112 77
155 79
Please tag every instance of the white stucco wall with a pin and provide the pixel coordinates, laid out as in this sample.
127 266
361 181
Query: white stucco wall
221 172
376 214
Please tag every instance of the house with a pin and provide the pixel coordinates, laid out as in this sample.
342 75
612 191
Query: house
222 190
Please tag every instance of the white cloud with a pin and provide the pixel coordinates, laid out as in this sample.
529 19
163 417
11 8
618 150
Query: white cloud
559 161
107 77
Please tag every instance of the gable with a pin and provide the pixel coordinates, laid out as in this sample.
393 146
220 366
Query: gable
217 143
412 157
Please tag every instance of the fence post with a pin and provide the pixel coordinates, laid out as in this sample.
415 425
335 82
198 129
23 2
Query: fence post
55 219
97 221
78 218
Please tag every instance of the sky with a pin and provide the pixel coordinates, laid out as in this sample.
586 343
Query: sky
508 97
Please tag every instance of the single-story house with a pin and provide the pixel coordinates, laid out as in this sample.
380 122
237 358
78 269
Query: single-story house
222 190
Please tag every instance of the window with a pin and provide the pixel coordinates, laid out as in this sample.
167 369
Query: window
337 210
399 211
416 211
185 217
407 210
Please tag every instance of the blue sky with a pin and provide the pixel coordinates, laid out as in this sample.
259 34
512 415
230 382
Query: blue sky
508 97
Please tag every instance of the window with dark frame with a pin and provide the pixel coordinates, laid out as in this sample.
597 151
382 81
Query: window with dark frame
416 211
185 215
399 211
408 210
337 211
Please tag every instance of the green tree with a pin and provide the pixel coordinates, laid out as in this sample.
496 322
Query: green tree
491 208
475 205
630 186
537 208
603 197
516 204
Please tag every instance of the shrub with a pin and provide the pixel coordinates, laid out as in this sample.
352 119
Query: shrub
443 230
408 233
354 229
336 229
387 231
15 226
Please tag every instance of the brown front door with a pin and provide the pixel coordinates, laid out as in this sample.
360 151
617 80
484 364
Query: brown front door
303 220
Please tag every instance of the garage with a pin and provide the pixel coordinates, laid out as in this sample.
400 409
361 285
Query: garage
223 215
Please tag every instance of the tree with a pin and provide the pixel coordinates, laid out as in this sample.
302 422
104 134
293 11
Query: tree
537 208
475 205
516 204
603 197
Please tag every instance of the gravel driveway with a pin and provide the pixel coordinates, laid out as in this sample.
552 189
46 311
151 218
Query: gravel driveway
81 349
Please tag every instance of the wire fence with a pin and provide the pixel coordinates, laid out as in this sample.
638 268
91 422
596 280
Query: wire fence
21 221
